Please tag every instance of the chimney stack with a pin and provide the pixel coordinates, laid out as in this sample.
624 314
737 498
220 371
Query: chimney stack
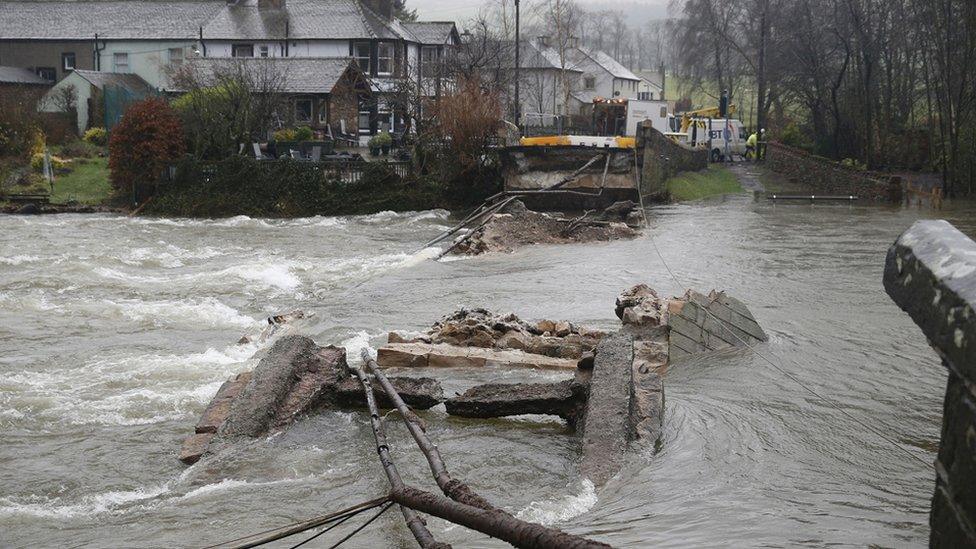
383 8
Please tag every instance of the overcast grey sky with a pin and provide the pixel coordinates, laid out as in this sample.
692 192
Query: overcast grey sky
461 10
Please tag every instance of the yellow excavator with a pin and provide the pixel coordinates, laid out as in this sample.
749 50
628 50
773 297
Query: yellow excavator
708 112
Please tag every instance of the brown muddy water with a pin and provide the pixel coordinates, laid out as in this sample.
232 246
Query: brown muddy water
115 333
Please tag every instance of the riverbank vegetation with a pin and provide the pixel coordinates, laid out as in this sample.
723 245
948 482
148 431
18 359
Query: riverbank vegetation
713 181
891 85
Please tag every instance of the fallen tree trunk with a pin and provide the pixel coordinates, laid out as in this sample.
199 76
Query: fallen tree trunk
414 522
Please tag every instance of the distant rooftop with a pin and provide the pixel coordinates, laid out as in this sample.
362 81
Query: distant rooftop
220 20
299 74
131 82
17 75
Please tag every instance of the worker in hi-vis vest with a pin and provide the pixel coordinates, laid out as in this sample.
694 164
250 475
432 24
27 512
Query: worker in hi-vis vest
751 145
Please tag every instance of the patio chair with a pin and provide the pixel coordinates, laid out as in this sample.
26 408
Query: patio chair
346 136
297 155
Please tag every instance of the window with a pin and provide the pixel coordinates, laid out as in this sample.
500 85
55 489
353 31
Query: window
303 110
384 58
360 51
589 82
428 60
243 50
364 116
323 111
47 73
263 51
120 62
68 61
175 56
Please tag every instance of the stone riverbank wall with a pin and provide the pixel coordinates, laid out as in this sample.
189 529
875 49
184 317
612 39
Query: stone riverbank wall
824 176
930 272
659 158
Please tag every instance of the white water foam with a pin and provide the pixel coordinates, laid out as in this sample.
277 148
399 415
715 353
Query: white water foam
561 509
268 274
95 504
207 312
354 346
19 259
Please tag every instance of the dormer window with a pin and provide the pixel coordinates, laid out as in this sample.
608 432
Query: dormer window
589 82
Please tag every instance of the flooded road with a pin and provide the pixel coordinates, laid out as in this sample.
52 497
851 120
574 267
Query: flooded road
115 333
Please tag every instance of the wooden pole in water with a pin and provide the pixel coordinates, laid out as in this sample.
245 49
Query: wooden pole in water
494 522
466 507
452 488
414 522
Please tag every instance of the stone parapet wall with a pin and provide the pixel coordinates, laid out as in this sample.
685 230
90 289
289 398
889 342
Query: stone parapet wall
660 158
930 272
824 176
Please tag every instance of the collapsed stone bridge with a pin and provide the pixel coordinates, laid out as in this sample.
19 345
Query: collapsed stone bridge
613 394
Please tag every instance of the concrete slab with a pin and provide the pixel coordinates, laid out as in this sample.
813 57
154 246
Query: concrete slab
606 422
413 355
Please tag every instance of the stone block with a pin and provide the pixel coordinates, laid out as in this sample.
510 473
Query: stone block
194 446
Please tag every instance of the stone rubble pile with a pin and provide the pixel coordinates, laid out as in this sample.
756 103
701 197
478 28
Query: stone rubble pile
614 398
518 226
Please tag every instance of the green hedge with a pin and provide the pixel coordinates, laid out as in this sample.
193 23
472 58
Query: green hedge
286 188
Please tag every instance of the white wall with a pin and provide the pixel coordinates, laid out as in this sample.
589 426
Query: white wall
147 59
296 48
82 92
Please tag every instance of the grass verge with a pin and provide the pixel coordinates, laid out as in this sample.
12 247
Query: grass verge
87 182
697 185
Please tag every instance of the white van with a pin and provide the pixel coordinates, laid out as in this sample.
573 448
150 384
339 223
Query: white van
712 134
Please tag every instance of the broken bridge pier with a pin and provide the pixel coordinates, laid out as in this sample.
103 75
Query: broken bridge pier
930 272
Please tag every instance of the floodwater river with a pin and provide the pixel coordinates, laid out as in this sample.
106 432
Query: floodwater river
115 333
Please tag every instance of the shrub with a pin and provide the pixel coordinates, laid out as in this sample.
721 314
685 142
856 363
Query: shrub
59 164
304 133
20 126
383 139
80 149
301 133
285 134
240 185
793 136
96 136
854 163
147 139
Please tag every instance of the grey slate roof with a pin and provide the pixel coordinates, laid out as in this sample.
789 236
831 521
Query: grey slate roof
301 74
534 56
182 19
110 19
306 19
18 75
131 82
431 32
610 64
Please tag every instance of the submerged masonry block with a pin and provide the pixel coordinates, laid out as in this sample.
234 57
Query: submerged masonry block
295 378
564 399
606 422
930 272
702 323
